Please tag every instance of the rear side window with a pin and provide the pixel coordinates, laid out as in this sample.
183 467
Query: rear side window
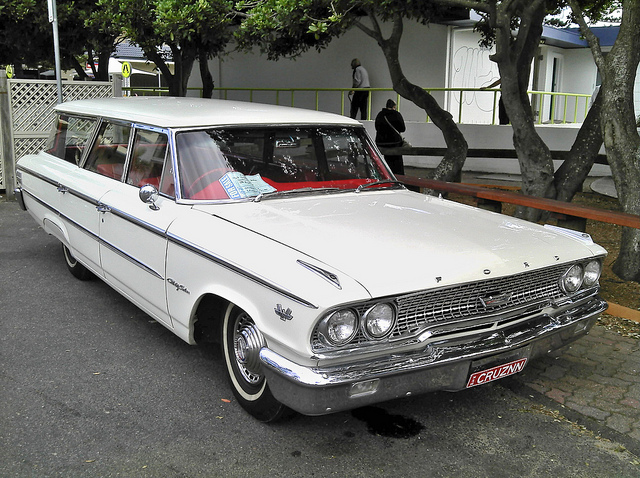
148 159
70 136
109 153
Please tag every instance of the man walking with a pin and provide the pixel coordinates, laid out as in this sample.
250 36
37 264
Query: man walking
360 98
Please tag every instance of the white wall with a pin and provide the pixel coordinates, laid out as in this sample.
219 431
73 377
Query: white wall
471 67
431 56
423 57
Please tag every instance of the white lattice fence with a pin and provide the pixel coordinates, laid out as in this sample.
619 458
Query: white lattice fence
32 102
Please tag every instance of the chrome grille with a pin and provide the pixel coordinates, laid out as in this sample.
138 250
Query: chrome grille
419 311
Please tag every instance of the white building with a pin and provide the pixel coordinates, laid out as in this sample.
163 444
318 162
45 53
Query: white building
432 56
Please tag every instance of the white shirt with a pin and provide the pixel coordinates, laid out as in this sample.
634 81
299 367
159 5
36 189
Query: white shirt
360 78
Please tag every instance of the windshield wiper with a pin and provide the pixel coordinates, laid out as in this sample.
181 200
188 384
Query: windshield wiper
274 194
391 182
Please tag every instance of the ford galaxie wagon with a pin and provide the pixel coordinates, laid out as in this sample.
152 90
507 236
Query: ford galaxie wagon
282 235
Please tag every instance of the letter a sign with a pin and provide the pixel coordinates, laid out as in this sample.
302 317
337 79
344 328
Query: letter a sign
126 69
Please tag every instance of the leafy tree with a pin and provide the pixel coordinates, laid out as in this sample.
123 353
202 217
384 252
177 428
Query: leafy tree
514 28
289 28
27 38
619 129
191 30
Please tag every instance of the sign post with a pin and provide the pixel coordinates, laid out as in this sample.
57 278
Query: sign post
53 19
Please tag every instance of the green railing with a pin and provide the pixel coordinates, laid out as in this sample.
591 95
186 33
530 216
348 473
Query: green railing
561 107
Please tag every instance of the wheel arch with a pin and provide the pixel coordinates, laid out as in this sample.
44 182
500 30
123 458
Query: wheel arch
209 312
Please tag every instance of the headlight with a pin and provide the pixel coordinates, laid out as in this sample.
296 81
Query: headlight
340 327
592 273
379 320
572 279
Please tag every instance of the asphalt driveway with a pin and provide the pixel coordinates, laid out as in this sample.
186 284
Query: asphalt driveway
90 386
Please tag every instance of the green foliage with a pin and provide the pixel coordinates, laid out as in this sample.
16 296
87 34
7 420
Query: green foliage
291 27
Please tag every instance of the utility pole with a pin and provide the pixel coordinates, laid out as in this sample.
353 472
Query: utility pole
53 19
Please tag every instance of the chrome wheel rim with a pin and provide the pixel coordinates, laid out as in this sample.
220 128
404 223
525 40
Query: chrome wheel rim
247 342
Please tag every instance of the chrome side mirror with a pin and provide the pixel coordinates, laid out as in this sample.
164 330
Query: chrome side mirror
149 195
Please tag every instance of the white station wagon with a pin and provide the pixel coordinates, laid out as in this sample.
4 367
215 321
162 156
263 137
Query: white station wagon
281 234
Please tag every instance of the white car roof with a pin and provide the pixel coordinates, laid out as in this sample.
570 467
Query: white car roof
185 112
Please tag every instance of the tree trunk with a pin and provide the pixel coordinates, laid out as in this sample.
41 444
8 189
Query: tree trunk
450 168
514 57
82 75
103 65
619 131
570 176
205 74
622 143
183 63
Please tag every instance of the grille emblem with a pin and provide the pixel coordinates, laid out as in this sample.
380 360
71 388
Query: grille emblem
495 300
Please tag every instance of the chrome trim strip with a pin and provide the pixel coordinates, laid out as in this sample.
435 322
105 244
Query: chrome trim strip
238 270
37 175
131 259
137 222
178 241
94 236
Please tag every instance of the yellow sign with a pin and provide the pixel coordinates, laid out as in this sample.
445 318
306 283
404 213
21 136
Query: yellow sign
9 70
126 69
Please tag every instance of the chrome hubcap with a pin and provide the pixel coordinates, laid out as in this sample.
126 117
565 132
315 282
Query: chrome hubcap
247 342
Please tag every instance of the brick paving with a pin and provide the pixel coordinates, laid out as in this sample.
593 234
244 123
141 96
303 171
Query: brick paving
597 376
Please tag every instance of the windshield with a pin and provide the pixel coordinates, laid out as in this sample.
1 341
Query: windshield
241 163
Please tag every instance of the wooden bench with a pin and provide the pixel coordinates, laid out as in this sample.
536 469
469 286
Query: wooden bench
566 209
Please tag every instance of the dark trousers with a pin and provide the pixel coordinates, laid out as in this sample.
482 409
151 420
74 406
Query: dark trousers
396 164
359 102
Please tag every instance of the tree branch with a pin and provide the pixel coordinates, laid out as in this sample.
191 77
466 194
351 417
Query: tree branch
592 40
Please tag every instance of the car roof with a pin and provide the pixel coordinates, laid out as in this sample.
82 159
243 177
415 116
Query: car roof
185 112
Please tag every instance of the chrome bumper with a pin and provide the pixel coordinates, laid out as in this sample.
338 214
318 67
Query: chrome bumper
20 198
443 364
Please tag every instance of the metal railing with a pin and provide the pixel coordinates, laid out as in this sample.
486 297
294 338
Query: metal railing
549 107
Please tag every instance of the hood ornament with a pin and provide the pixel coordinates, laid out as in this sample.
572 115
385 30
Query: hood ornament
326 275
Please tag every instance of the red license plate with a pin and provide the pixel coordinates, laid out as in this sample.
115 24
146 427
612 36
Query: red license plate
489 375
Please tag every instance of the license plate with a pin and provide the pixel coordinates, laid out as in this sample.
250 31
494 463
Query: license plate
495 373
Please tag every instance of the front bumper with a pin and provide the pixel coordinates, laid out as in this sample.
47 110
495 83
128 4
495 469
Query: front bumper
441 364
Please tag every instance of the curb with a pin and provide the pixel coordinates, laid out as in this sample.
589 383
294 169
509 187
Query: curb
623 312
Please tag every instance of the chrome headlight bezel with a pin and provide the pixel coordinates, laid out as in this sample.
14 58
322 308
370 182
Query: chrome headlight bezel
339 318
371 319
582 275
592 273
571 280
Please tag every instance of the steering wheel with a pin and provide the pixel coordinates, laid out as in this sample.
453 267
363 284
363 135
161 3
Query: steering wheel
190 190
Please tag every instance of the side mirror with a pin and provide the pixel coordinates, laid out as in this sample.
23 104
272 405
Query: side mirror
149 195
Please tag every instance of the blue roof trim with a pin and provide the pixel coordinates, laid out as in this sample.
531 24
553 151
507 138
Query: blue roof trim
572 38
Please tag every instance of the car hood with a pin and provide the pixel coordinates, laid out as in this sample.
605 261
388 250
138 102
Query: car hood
399 241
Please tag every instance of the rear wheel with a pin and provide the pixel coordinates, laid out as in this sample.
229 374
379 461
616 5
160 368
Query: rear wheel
78 270
241 344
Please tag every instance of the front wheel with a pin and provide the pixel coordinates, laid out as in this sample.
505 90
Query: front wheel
77 270
241 344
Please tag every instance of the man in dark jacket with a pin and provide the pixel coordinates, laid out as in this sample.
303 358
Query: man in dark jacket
389 125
